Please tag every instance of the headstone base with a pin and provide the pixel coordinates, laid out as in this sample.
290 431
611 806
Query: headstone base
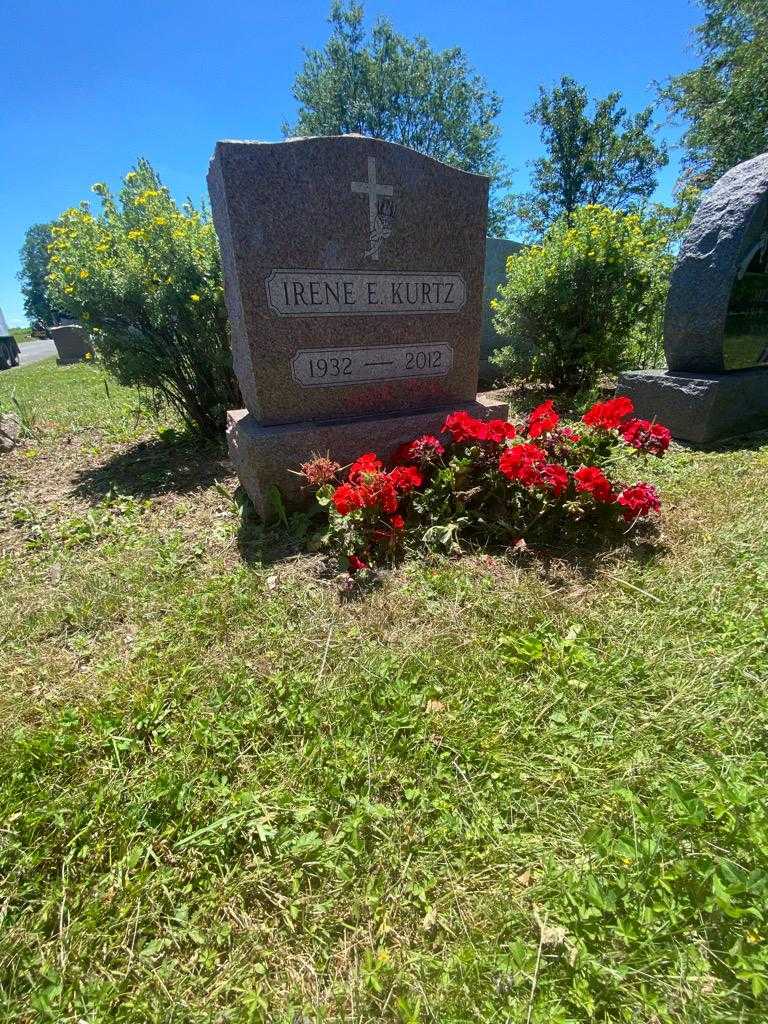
265 456
700 407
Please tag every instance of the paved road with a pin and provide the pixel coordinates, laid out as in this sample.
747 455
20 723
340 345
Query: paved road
35 350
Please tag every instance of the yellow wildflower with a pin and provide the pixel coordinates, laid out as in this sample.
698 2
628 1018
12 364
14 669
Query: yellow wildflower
84 273
195 297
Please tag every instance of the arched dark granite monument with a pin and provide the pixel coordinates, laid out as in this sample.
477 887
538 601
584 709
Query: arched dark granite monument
716 321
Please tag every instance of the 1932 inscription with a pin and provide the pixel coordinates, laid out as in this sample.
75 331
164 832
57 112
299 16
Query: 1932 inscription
333 367
355 292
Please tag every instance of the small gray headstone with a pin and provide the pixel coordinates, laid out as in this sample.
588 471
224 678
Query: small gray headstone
497 252
73 343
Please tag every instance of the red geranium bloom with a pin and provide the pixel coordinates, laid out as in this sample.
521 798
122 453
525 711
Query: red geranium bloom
364 466
608 415
591 480
397 522
462 427
346 498
554 478
355 563
422 451
498 431
638 501
521 462
542 419
646 436
405 478
571 435
387 495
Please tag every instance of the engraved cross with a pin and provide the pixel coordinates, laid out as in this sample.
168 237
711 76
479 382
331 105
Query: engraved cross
374 190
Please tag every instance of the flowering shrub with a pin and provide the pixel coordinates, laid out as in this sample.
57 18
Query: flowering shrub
491 481
144 275
588 299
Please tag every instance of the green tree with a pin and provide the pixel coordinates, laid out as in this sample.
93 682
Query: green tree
34 269
725 100
608 157
390 87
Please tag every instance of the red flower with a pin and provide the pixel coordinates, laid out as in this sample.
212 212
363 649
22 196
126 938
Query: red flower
646 436
462 427
521 462
497 431
346 498
364 466
571 435
405 478
397 522
543 419
608 415
591 480
424 450
355 563
554 478
381 492
638 501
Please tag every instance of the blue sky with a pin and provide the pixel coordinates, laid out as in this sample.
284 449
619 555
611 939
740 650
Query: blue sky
88 87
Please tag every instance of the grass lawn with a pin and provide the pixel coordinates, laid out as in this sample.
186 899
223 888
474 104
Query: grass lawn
493 790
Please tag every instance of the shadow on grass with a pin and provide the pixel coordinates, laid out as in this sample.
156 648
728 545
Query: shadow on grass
286 536
585 561
172 463
741 443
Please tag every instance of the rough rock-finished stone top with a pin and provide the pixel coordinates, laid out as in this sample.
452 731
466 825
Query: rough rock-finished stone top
727 227
353 273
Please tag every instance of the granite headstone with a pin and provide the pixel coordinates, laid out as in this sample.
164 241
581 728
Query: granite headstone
497 252
353 273
716 319
73 343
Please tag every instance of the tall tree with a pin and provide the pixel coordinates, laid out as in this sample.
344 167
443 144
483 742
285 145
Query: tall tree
725 100
608 157
385 85
34 268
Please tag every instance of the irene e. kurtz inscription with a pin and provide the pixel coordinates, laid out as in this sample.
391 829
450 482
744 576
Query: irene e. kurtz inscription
343 293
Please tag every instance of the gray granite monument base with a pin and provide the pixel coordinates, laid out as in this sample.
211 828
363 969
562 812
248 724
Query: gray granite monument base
269 457
700 407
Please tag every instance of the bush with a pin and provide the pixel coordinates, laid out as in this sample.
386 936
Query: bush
145 276
490 482
588 300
